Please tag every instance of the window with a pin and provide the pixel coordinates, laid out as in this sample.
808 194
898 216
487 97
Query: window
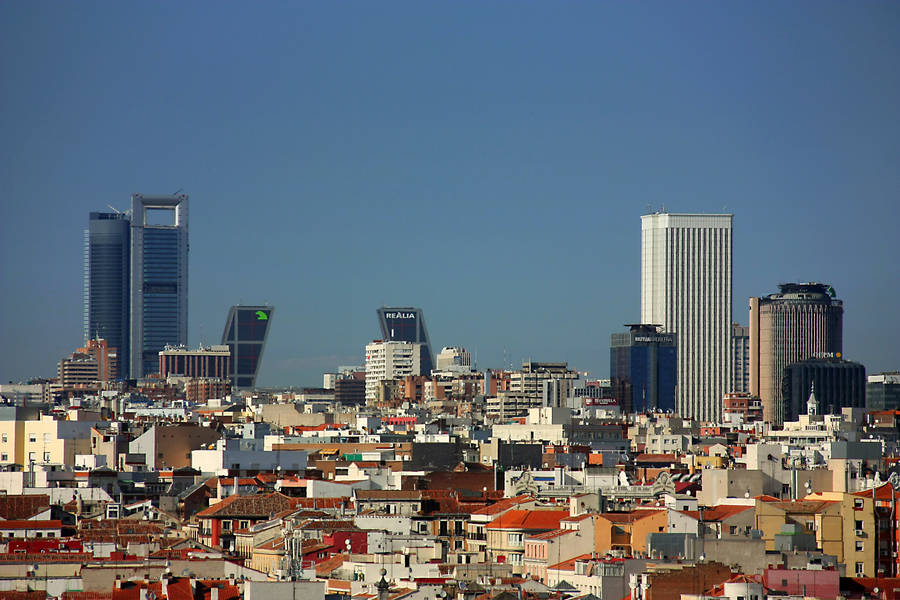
5 438
514 538
4 457
859 546
858 525
858 503
46 457
32 437
245 524
226 525
859 569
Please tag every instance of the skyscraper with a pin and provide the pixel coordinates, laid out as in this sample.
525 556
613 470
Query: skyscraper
740 358
642 365
107 253
407 324
246 330
686 288
159 278
799 322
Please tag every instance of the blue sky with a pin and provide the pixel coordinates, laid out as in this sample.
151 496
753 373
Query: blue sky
487 161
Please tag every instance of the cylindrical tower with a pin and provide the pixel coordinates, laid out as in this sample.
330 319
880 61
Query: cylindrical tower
799 322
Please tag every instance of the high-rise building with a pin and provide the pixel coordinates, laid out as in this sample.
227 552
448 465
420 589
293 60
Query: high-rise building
246 331
94 363
407 324
883 391
643 365
740 358
686 288
799 322
213 361
838 384
387 360
107 264
159 278
454 359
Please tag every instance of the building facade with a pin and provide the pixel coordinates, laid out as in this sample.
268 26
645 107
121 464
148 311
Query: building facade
388 360
246 331
643 365
214 361
159 278
883 391
800 321
740 358
838 384
686 288
407 324
107 264
454 359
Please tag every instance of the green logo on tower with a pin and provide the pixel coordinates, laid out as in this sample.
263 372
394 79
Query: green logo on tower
261 315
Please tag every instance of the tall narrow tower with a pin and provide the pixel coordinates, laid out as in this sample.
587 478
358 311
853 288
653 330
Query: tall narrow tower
107 246
159 278
686 287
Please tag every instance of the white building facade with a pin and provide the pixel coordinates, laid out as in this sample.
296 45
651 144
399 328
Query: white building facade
686 283
390 360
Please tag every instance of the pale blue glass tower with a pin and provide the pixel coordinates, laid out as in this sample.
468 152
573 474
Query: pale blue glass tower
159 278
107 246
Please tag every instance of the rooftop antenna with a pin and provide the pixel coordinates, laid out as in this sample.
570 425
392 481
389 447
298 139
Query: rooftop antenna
116 210
178 191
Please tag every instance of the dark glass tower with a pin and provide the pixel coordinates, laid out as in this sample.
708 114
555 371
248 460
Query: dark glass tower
643 367
106 282
159 269
407 324
246 330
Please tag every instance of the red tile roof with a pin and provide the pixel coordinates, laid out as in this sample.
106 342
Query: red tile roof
22 506
529 520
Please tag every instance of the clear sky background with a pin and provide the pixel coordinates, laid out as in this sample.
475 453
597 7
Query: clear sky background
487 161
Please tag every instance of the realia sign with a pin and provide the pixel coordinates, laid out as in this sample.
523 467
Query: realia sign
399 315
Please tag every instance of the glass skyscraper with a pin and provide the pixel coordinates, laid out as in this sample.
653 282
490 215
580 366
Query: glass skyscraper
107 249
643 367
159 285
407 324
246 330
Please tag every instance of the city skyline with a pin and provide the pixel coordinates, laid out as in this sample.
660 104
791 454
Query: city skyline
495 185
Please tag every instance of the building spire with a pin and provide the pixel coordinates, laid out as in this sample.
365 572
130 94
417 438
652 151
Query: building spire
811 403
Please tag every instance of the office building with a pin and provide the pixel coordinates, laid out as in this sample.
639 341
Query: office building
213 362
799 322
159 278
388 360
350 391
246 331
883 391
643 364
740 358
95 362
686 288
107 264
839 384
454 359
407 324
